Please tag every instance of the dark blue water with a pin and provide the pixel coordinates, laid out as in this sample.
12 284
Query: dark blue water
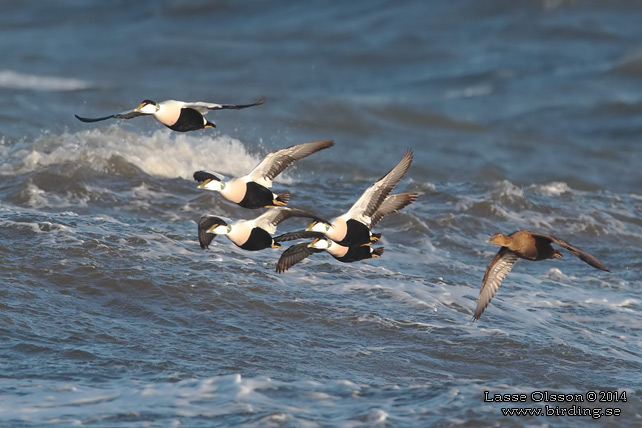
522 115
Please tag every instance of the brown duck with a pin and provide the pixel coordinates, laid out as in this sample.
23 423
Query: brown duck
523 244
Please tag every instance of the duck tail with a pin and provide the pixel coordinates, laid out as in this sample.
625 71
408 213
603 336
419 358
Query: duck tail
282 199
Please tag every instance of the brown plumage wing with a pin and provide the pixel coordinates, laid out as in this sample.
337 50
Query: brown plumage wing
496 271
392 204
577 252
294 255
275 162
373 197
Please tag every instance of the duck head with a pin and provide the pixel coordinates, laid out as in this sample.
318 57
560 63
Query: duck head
208 227
500 239
148 107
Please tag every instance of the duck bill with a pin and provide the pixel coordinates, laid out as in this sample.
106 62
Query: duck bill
314 241
204 183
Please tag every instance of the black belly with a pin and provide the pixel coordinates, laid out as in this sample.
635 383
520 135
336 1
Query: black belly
189 120
259 239
257 196
357 234
356 253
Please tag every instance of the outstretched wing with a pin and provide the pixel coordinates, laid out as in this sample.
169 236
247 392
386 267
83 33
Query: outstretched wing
272 217
124 115
496 271
203 107
373 197
392 204
299 234
204 224
578 252
294 255
275 162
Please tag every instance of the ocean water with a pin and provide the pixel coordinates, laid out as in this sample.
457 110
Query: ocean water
521 115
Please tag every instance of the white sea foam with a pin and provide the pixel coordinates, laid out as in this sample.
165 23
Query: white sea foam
470 91
399 291
161 154
16 80
509 190
555 188
38 198
217 397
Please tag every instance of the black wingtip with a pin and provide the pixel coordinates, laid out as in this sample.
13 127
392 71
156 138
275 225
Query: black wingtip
243 106
478 313
91 120
294 255
299 234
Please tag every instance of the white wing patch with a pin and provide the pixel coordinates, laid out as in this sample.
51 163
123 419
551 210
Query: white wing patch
275 162
373 197
202 107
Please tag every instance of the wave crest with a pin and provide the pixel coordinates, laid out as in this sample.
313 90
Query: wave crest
107 150
15 80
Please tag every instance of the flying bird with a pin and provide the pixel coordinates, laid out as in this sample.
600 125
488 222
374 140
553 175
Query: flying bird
251 235
523 244
298 252
343 253
353 227
176 115
253 190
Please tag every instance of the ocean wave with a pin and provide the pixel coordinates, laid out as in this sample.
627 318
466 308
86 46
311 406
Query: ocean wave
227 399
555 188
161 154
15 80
